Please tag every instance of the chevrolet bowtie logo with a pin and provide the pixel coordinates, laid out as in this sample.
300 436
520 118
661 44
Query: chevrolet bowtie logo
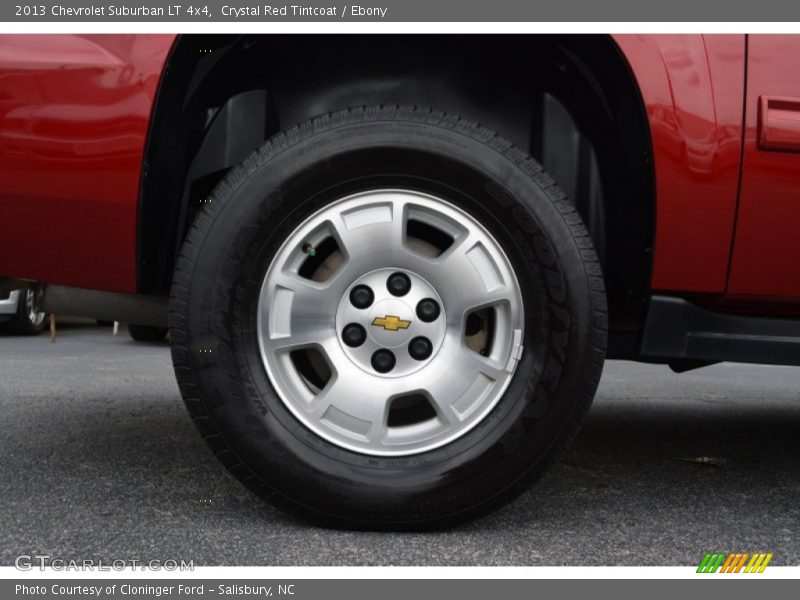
391 322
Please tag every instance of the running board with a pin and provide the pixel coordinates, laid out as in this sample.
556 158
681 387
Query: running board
676 330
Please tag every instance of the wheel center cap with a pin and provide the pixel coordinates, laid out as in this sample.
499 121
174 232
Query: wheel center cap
390 324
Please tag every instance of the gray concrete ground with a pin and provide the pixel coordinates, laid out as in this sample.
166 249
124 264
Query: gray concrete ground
98 459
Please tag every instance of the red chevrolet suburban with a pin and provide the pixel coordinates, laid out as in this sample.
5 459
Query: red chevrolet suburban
391 267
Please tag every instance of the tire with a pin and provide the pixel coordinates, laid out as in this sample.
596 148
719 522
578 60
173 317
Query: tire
146 333
27 320
537 246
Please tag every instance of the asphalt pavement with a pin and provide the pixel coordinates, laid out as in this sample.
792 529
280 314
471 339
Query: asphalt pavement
99 460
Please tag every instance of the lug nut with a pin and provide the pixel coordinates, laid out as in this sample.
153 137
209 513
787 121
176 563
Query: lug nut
398 284
361 296
420 348
354 335
383 361
428 310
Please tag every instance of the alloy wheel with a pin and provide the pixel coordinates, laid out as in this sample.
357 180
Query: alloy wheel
390 322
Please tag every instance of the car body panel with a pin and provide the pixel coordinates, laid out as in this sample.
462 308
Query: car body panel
767 247
74 114
692 87
8 305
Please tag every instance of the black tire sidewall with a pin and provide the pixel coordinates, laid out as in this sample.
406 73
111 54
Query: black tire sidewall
260 207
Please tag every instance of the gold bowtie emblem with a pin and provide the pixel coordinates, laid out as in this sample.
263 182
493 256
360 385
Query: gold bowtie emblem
391 322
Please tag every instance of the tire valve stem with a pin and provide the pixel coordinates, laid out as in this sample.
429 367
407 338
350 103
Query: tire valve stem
309 249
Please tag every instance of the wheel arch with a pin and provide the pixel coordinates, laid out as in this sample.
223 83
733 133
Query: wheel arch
574 104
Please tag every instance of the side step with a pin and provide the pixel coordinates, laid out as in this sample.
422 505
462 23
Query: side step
676 331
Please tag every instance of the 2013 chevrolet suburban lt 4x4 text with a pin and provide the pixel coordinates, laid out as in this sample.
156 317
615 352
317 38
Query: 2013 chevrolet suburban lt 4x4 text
392 266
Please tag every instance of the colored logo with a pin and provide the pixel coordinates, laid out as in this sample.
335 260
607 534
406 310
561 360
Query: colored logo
391 323
734 562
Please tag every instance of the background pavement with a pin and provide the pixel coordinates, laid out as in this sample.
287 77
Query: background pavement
98 459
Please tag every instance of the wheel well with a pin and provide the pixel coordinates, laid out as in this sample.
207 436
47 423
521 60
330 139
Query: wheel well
571 101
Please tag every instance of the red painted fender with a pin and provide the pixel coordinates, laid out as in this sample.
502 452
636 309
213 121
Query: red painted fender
74 113
693 90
